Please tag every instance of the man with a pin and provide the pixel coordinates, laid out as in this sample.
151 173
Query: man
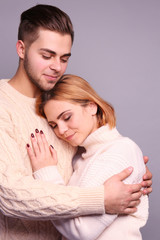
44 44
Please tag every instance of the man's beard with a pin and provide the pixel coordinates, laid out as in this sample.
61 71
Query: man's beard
31 76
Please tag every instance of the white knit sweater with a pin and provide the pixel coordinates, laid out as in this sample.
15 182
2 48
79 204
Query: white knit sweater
107 153
24 200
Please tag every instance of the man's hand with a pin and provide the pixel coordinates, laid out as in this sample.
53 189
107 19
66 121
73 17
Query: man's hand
147 179
121 198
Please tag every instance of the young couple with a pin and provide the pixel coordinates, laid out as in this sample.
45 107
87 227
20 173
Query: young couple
27 205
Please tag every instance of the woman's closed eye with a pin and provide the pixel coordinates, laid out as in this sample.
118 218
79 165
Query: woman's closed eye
53 126
67 118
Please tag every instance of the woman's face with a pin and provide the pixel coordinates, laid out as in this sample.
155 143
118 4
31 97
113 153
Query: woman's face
71 122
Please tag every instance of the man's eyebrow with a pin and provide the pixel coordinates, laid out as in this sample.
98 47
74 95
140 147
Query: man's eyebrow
54 53
59 116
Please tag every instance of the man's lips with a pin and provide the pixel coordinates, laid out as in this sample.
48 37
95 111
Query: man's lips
51 77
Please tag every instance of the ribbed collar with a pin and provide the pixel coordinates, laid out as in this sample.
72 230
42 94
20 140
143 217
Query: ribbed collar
99 138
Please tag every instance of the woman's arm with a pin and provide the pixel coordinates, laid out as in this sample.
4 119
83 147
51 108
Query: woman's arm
77 228
97 171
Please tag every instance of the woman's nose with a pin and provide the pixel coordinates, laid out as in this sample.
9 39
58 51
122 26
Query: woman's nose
62 129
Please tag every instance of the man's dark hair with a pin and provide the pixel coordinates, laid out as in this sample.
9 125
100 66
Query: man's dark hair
46 17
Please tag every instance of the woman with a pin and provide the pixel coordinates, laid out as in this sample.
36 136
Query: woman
80 117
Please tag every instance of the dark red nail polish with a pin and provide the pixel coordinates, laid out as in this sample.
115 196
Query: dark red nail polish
41 132
36 130
28 145
32 135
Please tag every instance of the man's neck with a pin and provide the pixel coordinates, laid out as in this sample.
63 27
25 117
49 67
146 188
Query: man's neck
24 85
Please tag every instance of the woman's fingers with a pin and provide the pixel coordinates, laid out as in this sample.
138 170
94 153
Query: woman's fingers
54 155
41 154
31 155
30 152
40 142
35 145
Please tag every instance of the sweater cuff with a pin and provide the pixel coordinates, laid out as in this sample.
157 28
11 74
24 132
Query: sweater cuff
91 201
49 174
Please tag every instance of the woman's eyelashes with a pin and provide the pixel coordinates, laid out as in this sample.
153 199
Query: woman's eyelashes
67 118
53 126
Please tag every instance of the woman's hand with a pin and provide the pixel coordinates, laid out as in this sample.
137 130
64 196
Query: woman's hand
42 154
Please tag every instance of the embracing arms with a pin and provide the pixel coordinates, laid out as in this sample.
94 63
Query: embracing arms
77 228
119 198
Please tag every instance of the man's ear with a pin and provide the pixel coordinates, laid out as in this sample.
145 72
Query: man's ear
20 49
93 108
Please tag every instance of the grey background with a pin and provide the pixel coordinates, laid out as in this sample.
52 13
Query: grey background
117 49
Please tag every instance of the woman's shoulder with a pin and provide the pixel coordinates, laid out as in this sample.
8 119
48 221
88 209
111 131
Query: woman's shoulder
125 144
122 150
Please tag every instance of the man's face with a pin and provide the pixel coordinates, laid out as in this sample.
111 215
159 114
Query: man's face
46 59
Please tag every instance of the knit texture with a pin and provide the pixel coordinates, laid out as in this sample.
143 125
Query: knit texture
23 200
107 153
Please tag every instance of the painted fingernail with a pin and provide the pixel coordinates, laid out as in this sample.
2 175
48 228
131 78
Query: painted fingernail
41 132
28 145
52 146
130 169
36 130
32 135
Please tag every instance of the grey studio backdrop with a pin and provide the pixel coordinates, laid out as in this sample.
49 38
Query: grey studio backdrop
117 49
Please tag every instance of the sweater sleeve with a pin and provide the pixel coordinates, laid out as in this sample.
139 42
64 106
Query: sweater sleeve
75 228
108 164
24 197
49 173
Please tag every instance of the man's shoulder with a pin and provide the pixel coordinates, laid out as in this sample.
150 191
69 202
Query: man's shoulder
4 81
3 85
5 98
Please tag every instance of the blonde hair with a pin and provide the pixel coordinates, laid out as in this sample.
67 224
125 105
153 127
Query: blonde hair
77 90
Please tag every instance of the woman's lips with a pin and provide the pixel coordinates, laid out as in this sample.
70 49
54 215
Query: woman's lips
70 136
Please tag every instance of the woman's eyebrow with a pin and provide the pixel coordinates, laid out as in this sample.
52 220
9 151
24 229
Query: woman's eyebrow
59 116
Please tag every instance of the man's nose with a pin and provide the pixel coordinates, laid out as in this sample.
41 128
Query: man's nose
55 64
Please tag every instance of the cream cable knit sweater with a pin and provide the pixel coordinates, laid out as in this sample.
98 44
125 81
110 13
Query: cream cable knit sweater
107 153
23 200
